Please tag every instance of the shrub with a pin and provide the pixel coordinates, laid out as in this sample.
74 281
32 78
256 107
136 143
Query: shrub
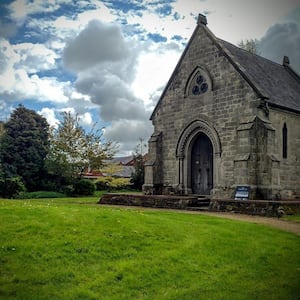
84 187
103 183
137 177
110 183
68 190
11 187
120 183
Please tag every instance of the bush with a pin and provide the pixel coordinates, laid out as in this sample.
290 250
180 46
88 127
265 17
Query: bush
120 183
11 187
110 183
84 187
103 183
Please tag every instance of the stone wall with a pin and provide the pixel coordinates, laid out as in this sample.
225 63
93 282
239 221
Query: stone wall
246 134
289 168
223 107
251 207
258 207
155 201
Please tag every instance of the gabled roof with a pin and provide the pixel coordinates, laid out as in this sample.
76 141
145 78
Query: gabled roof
124 160
278 84
125 172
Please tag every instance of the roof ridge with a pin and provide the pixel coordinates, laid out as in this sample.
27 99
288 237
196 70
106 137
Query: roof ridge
253 54
256 87
292 72
176 67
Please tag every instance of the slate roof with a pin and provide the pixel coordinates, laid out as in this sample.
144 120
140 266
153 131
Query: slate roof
125 172
279 84
123 160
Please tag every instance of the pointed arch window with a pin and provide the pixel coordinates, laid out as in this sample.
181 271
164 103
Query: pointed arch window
284 140
198 83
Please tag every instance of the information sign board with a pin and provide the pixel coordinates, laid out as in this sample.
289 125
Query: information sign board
242 192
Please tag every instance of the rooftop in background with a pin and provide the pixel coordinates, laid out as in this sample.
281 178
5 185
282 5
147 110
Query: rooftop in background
123 160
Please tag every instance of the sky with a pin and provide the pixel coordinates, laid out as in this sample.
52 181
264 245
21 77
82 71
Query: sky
108 61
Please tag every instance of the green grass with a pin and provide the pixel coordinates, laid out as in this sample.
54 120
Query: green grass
63 249
40 195
294 218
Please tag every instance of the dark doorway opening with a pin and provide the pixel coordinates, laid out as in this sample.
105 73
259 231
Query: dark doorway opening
202 165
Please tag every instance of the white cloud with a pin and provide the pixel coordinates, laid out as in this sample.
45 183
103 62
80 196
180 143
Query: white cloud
127 134
86 119
106 64
35 57
20 9
49 114
95 44
54 116
101 13
5 110
234 20
150 22
154 69
65 27
49 89
19 79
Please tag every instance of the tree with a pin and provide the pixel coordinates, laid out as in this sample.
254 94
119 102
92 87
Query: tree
138 176
73 151
24 147
251 45
109 169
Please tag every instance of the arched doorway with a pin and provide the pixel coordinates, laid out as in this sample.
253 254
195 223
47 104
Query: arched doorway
202 165
197 137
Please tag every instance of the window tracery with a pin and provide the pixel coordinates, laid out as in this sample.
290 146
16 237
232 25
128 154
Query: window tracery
199 83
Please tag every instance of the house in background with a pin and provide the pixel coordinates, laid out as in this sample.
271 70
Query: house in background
226 118
122 167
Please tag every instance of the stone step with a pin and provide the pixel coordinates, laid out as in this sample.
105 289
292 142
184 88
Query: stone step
199 202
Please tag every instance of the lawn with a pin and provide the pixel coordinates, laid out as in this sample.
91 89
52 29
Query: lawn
64 249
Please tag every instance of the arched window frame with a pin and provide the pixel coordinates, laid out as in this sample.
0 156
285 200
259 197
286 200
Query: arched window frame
284 141
199 80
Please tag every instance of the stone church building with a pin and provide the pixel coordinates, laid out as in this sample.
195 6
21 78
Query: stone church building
226 118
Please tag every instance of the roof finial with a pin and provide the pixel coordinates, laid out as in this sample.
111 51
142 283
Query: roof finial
286 61
202 19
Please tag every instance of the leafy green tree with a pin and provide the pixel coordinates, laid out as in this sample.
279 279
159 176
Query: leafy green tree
251 45
24 147
74 151
138 176
11 187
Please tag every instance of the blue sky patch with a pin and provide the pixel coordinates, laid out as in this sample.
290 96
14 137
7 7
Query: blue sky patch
157 38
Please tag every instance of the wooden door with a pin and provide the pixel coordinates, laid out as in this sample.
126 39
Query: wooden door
202 165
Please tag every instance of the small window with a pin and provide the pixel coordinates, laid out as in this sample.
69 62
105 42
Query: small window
284 141
199 85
